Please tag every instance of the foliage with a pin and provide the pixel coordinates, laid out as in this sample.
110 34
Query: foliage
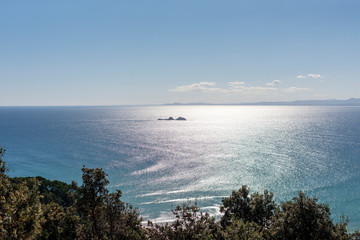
63 211
303 218
240 230
20 209
190 223
37 208
59 223
240 205
104 215
124 221
51 191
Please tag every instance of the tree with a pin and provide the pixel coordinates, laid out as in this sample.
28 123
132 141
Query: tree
51 191
20 208
190 223
59 223
240 205
240 230
124 221
90 201
104 215
303 218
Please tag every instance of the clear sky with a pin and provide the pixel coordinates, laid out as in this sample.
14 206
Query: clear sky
152 52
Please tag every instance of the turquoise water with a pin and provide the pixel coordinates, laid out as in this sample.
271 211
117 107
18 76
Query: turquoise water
158 164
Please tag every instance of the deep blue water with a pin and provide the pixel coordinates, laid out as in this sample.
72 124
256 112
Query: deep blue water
158 164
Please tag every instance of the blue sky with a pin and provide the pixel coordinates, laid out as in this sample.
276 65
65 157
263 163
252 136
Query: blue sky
152 52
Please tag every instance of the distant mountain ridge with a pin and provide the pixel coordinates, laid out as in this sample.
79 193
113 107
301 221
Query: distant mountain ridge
330 102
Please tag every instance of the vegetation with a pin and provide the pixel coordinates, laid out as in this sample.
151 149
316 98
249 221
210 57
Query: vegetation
37 208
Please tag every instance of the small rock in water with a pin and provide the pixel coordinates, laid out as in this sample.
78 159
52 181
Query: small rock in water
181 119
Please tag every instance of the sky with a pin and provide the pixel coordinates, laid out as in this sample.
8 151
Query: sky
134 52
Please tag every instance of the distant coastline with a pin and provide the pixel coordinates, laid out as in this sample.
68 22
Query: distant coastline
330 102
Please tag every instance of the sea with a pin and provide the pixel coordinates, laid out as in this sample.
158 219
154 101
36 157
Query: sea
160 164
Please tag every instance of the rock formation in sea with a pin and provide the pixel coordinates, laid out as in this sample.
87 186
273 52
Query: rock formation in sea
171 118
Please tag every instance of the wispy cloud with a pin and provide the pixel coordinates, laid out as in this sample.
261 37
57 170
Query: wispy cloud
237 87
295 89
315 75
311 75
273 83
235 84
255 90
201 87
233 87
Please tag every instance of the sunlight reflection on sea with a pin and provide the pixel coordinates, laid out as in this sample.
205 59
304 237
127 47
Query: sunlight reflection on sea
159 164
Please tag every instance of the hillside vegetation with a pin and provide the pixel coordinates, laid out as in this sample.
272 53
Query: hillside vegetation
37 208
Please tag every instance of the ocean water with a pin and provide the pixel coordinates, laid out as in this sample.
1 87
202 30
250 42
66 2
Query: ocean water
159 164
